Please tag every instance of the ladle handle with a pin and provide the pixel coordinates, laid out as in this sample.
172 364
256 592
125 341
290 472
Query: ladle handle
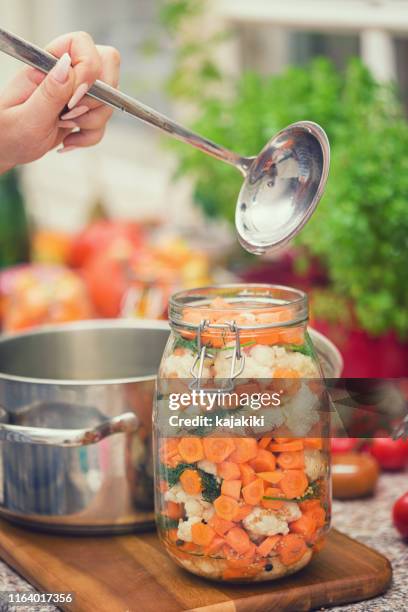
42 60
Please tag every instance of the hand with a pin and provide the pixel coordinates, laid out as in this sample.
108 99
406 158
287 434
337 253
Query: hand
30 107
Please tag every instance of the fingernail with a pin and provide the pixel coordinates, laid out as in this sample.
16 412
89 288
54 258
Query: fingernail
66 125
75 112
61 69
66 149
78 95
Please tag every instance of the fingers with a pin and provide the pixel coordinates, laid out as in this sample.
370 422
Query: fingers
92 124
50 97
85 58
87 138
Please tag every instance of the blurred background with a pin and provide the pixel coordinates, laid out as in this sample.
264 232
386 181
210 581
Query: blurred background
114 230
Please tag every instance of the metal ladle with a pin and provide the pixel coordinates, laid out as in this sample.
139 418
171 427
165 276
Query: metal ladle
282 185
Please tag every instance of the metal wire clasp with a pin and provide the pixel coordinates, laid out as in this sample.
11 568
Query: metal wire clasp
237 357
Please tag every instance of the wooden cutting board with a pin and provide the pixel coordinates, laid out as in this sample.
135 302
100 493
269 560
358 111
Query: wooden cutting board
133 574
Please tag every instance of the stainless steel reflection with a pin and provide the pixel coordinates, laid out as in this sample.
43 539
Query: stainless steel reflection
282 186
64 392
75 424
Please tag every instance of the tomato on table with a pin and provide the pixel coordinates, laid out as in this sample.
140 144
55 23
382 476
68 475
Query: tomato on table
400 515
391 454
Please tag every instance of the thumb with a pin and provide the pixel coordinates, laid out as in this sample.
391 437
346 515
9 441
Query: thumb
51 96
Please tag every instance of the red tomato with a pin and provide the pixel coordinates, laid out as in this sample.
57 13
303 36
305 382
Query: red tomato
101 236
390 454
107 280
400 515
343 445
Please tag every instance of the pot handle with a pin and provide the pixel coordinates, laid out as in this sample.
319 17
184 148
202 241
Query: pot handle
69 438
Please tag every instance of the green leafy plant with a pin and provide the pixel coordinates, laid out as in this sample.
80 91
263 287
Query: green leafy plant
359 231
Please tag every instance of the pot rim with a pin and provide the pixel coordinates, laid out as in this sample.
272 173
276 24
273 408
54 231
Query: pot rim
78 326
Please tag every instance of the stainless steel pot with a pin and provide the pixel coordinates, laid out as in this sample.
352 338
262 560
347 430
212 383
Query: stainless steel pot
75 424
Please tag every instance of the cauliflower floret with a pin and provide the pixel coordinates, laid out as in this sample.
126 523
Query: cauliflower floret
252 369
194 505
207 466
176 494
179 365
289 512
265 522
314 464
184 528
263 355
302 412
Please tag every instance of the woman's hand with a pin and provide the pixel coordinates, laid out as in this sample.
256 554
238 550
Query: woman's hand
30 108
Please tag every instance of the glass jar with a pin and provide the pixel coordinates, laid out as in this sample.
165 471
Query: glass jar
240 434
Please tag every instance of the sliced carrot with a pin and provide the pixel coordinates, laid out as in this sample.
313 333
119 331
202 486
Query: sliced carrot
238 539
220 525
263 462
226 507
243 512
173 510
172 535
294 483
291 548
272 477
291 384
191 449
253 492
232 488
283 440
304 526
268 545
308 504
191 482
272 504
168 448
239 560
318 514
263 442
316 443
202 534
163 486
228 470
247 473
174 460
218 449
216 544
294 460
286 447
292 336
245 450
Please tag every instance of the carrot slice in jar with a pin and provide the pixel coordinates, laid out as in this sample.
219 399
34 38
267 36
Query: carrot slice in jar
228 470
294 460
286 447
220 525
247 473
245 450
173 510
304 526
269 543
191 449
217 450
272 477
202 534
254 492
263 442
272 504
293 484
243 512
238 539
191 482
232 488
291 548
263 462
216 544
226 507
